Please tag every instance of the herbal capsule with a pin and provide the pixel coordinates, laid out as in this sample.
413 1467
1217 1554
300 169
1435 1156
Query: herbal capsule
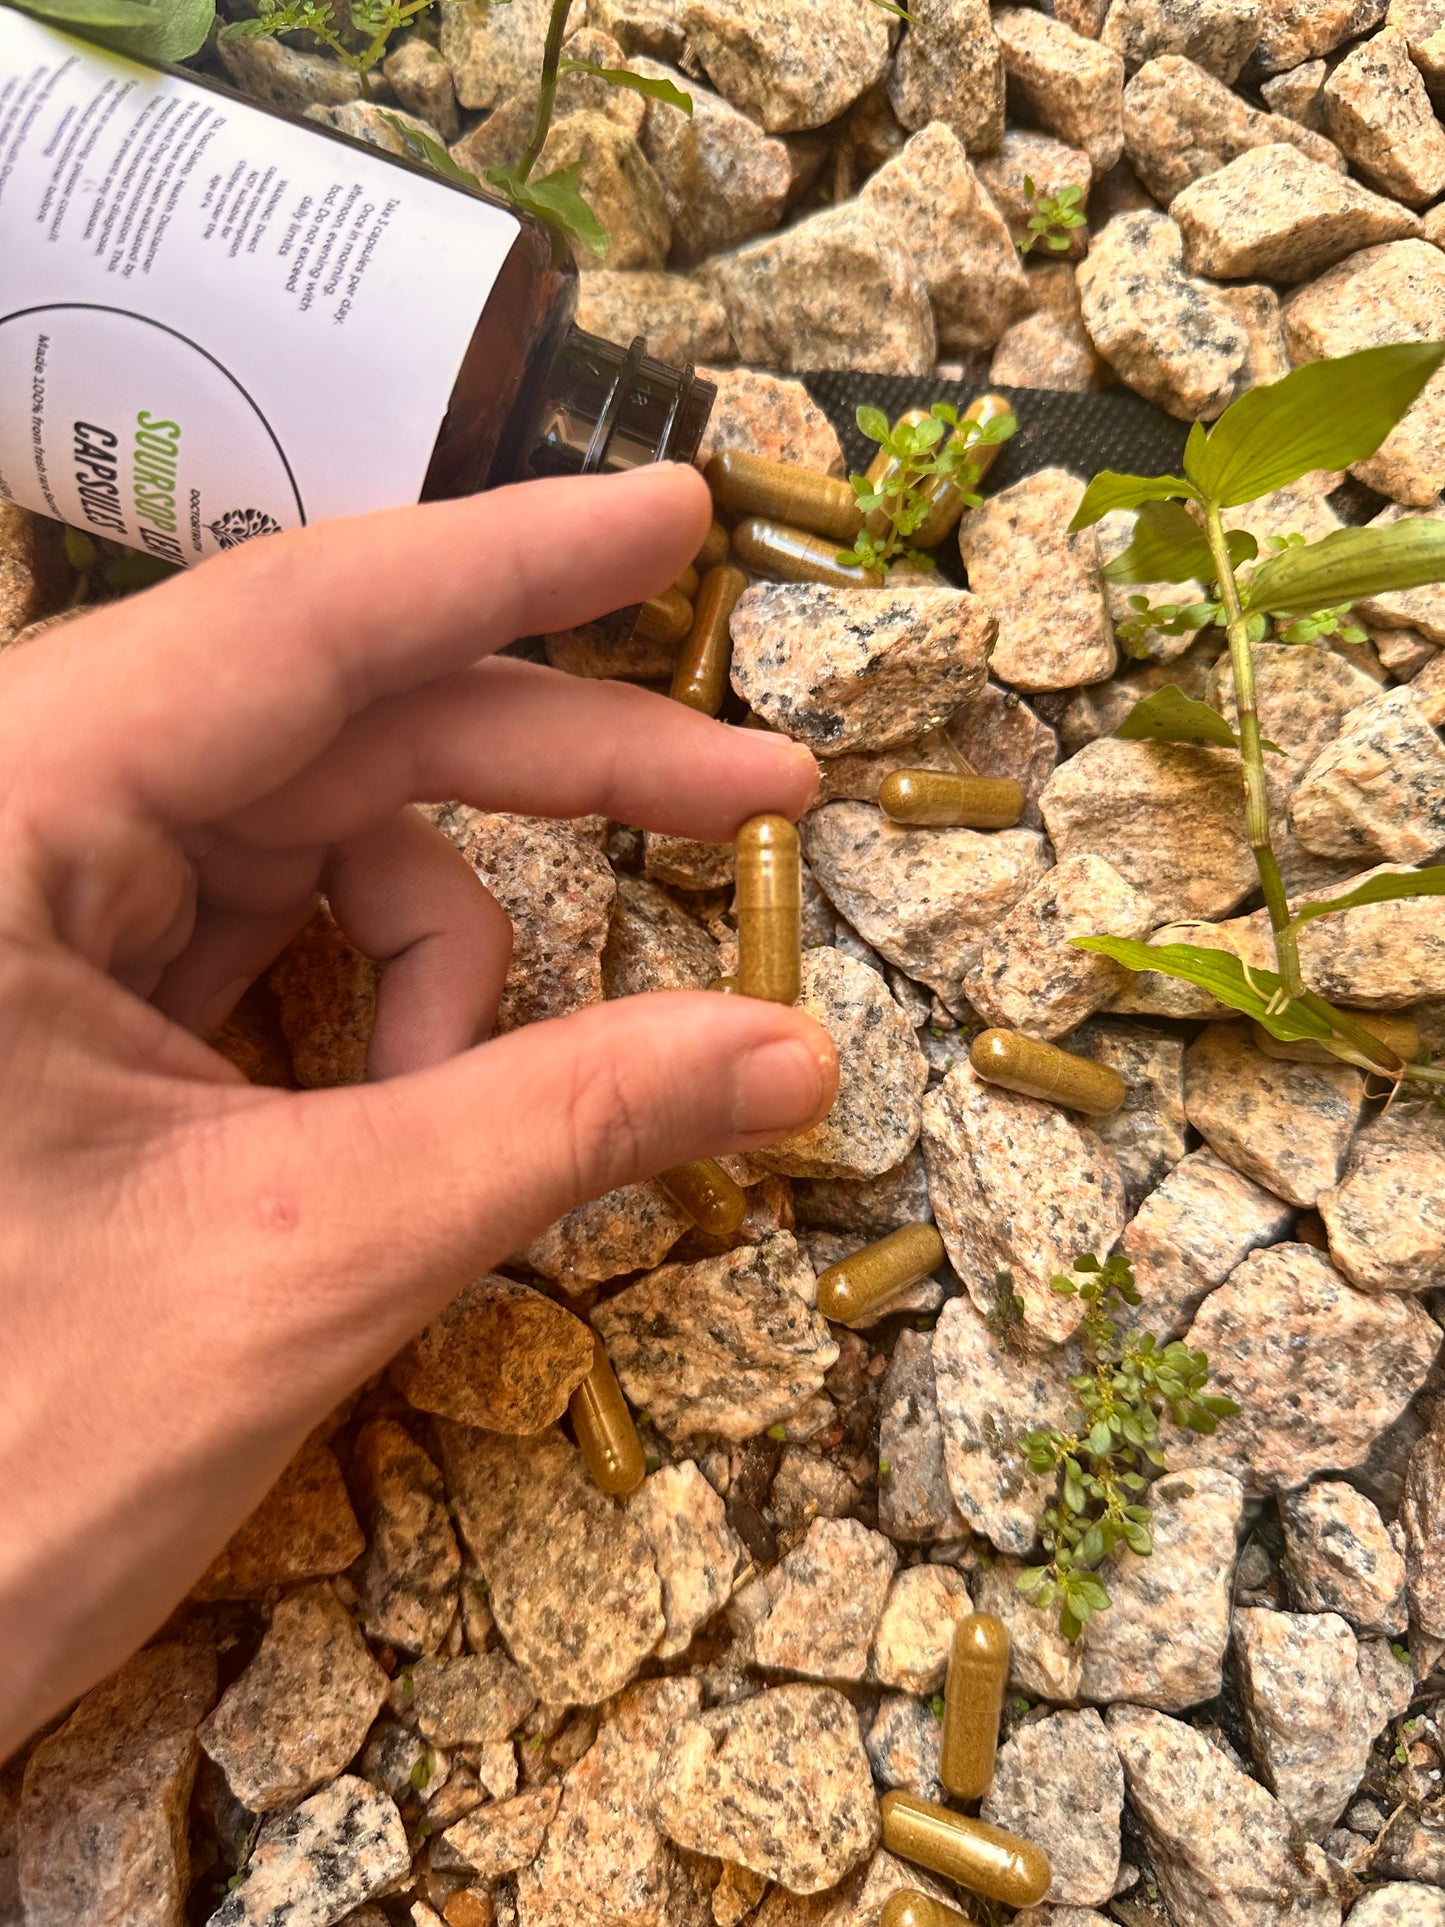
1024 1064
715 546
769 548
982 1858
666 618
908 1908
973 1704
783 492
1395 1033
686 583
856 1287
948 502
700 678
769 910
604 1428
727 985
707 1194
943 801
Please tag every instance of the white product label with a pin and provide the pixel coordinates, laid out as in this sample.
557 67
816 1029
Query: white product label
214 324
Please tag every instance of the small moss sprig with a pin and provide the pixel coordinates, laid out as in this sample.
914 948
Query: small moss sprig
1053 219
918 455
1103 1460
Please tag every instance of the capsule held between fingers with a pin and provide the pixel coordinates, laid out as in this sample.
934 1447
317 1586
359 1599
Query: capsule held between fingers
982 1858
715 546
783 492
604 1428
857 1287
909 1908
973 1704
665 618
707 1194
1036 1069
1395 1033
700 678
790 555
769 902
937 799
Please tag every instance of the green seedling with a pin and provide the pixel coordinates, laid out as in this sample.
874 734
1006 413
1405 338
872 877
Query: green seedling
943 448
1052 220
1103 1460
372 23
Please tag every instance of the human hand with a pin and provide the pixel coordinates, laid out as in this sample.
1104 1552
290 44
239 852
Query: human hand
193 1270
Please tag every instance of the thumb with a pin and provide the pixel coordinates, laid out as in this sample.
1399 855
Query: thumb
404 1190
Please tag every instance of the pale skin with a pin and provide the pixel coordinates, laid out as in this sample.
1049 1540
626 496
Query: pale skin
193 1271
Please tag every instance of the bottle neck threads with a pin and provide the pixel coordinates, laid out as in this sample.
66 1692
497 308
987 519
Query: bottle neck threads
607 408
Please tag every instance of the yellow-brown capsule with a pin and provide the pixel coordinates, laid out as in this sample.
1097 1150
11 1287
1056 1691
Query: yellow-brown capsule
973 1704
686 583
707 1194
1024 1064
789 555
700 677
909 1908
769 904
938 799
783 492
727 985
604 1428
1395 1033
666 618
948 502
982 1858
715 546
855 1289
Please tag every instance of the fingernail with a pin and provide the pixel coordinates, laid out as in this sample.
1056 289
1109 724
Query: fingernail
779 1086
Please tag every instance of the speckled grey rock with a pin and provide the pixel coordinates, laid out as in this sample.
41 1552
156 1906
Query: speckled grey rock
1048 351
723 179
729 1345
1162 1641
869 1207
1042 582
1071 84
501 1356
499 1838
922 898
1296 95
1423 25
1181 123
681 320
1389 1684
304 1528
1287 1126
422 81
929 197
1001 736
1222 1848
685 864
1029 976
1146 1134
1058 1783
989 1393
653 944
1303 691
903 1746
573 1584
824 1601
492 52
1342 1559
1019 1188
914 1634
844 669
768 415
914 1501
1219 34
948 68
1394 292
1378 791
605 1857
1274 213
1377 110
287 77
1412 1849
1292 31
472 1700
1169 335
1403 1903
696 1551
779 1783
780 65
1422 1514
407 1578
837 290
1319 1369
310 1867
1304 1710
558 889
101 1830
1042 1663
1189 1234
630 1229
1386 1217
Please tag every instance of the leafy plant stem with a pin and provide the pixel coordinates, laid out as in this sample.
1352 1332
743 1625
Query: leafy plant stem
1251 755
547 97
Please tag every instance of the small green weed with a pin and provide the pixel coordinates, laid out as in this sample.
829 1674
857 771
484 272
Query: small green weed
919 454
1054 218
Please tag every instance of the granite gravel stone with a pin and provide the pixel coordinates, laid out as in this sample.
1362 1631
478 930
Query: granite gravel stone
1042 1663
654 944
1341 1558
948 68
903 1743
914 1634
1058 1782
630 1229
1378 791
1422 1515
1287 1126
681 321
313 1865
472 1700
915 1503
1201 1221
499 1838
1071 84
768 415
823 1602
1052 165
697 1553
1147 1133
501 1356
1378 112
868 1207
1292 31
1386 1217
1181 123
1275 214
1401 1903
1304 1710
1219 34
304 1528
407 1579
723 179
780 65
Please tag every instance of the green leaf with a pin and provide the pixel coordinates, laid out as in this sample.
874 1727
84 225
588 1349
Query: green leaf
663 90
899 13
1327 414
1382 889
1169 716
873 422
1349 564
1170 546
554 197
1109 490
424 148
165 30
1226 977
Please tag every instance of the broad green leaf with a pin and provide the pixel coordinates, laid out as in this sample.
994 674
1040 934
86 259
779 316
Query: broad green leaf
1382 889
165 30
1109 490
1349 564
554 197
873 422
1327 414
1170 546
663 90
1225 976
1169 716
424 148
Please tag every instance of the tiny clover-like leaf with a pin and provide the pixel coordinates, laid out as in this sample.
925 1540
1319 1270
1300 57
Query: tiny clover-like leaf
1389 888
663 90
1169 716
1109 490
1348 565
873 422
